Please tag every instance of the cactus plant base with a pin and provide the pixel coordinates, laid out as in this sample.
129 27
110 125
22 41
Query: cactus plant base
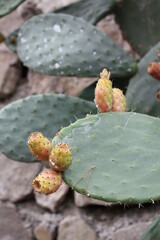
115 157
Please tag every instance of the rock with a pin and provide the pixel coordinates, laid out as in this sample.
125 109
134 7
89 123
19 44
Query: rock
75 228
45 231
41 83
82 201
133 232
28 9
47 5
5 23
11 227
10 73
16 179
52 201
33 216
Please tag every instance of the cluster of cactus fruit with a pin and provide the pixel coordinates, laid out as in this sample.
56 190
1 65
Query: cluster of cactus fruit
108 98
59 158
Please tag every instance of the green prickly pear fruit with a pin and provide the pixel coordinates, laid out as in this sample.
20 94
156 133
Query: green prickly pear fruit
154 70
103 92
60 157
119 101
47 182
39 146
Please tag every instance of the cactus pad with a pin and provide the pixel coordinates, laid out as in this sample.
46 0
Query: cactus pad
115 156
43 113
142 91
60 44
91 11
7 6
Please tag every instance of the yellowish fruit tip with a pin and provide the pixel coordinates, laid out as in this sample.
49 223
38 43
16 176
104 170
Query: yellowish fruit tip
105 74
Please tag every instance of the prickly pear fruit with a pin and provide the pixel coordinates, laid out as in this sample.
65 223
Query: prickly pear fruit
154 70
103 92
159 53
39 146
47 182
60 157
119 101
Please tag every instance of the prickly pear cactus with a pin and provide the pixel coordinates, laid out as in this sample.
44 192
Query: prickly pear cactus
153 232
7 6
60 44
146 14
142 91
115 156
91 11
43 113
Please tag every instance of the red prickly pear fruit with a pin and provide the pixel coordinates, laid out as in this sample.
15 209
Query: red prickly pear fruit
119 101
159 53
103 92
154 70
47 182
60 157
39 146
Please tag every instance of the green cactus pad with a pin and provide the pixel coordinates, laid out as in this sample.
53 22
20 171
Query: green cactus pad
153 232
90 10
139 21
142 90
60 44
11 40
42 113
115 157
7 6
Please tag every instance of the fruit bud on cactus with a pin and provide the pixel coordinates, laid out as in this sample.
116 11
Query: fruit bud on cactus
154 70
47 182
103 92
60 157
119 101
39 146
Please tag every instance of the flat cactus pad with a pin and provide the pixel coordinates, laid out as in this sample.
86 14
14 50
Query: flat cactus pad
115 157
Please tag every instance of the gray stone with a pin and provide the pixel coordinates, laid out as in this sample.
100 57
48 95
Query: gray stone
16 179
28 9
10 73
48 5
33 216
42 83
52 201
75 228
133 232
83 201
10 23
11 227
45 231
